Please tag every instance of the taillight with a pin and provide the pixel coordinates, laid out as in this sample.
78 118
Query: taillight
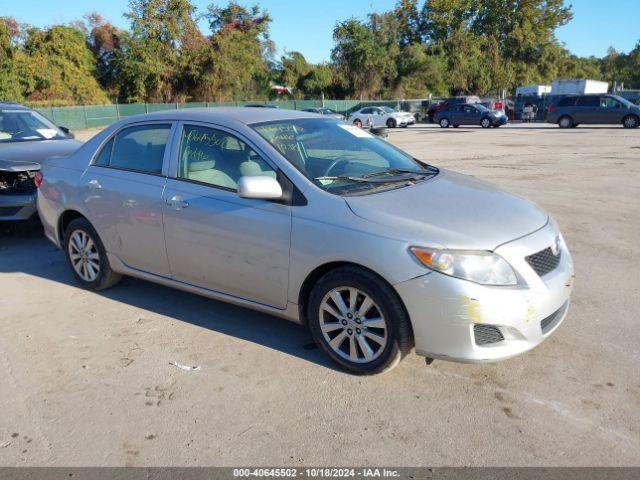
37 179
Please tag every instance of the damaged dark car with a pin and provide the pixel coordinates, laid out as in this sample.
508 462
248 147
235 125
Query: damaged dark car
26 140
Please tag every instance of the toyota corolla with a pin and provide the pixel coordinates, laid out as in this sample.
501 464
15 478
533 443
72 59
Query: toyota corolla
316 221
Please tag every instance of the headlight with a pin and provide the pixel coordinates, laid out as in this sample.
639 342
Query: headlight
481 267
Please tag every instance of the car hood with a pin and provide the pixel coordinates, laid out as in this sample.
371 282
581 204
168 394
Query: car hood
452 211
37 151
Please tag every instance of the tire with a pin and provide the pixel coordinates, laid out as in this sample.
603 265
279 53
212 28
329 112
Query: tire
357 122
386 313
444 123
486 123
565 121
631 121
93 256
391 123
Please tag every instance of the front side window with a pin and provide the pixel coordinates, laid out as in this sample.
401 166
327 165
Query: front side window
609 102
217 158
139 148
341 158
27 126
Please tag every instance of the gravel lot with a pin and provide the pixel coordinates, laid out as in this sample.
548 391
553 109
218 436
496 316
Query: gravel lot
85 379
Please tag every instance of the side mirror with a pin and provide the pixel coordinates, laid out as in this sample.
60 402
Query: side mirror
260 187
67 132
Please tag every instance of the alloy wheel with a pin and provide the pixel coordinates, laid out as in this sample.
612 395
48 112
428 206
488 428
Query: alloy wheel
631 122
444 123
486 123
353 325
84 255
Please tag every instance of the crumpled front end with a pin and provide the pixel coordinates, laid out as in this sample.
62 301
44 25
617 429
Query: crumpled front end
459 320
17 194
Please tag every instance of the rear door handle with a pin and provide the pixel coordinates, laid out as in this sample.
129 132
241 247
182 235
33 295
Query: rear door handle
177 202
94 184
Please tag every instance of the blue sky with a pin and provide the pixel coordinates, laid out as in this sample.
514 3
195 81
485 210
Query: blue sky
306 26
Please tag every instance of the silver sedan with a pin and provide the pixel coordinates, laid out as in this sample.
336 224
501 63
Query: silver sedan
316 221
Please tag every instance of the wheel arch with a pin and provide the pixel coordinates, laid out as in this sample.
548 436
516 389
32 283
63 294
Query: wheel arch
65 219
316 274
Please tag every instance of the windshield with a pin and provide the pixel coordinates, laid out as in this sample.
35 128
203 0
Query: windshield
26 126
623 100
342 158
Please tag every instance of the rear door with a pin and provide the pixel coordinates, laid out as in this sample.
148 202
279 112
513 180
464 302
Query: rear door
122 191
215 239
587 109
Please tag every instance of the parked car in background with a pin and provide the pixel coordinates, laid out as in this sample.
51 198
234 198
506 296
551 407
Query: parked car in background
316 221
571 111
325 111
381 117
26 140
262 105
467 114
449 102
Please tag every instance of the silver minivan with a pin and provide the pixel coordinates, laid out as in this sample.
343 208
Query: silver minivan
317 221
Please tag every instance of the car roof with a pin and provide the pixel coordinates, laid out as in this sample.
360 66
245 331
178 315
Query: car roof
13 106
246 115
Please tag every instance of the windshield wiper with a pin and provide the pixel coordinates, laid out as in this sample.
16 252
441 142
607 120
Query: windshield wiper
342 177
395 171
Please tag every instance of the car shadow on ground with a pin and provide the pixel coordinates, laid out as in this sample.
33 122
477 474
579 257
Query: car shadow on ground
29 252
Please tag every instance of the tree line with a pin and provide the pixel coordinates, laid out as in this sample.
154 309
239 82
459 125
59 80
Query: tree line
433 47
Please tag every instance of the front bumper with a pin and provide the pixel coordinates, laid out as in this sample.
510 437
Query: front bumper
17 207
444 311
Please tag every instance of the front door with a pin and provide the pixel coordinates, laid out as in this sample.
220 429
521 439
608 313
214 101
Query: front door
215 239
123 195
610 110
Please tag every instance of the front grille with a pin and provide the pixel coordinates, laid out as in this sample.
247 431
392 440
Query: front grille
486 334
544 261
9 211
548 323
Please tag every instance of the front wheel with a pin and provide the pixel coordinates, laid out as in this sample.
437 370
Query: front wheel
444 123
486 123
630 121
87 257
359 321
391 123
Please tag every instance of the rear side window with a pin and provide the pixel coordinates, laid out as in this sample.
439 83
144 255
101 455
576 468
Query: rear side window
588 101
104 157
567 102
140 148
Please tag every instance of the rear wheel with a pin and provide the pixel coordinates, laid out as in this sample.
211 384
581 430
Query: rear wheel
87 257
630 121
391 123
359 321
565 122
486 123
444 122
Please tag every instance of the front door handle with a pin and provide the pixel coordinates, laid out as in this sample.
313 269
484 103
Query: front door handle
94 184
177 202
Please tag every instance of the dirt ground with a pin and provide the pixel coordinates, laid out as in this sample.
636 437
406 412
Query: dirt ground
86 379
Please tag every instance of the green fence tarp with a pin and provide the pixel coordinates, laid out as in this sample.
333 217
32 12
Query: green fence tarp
90 116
